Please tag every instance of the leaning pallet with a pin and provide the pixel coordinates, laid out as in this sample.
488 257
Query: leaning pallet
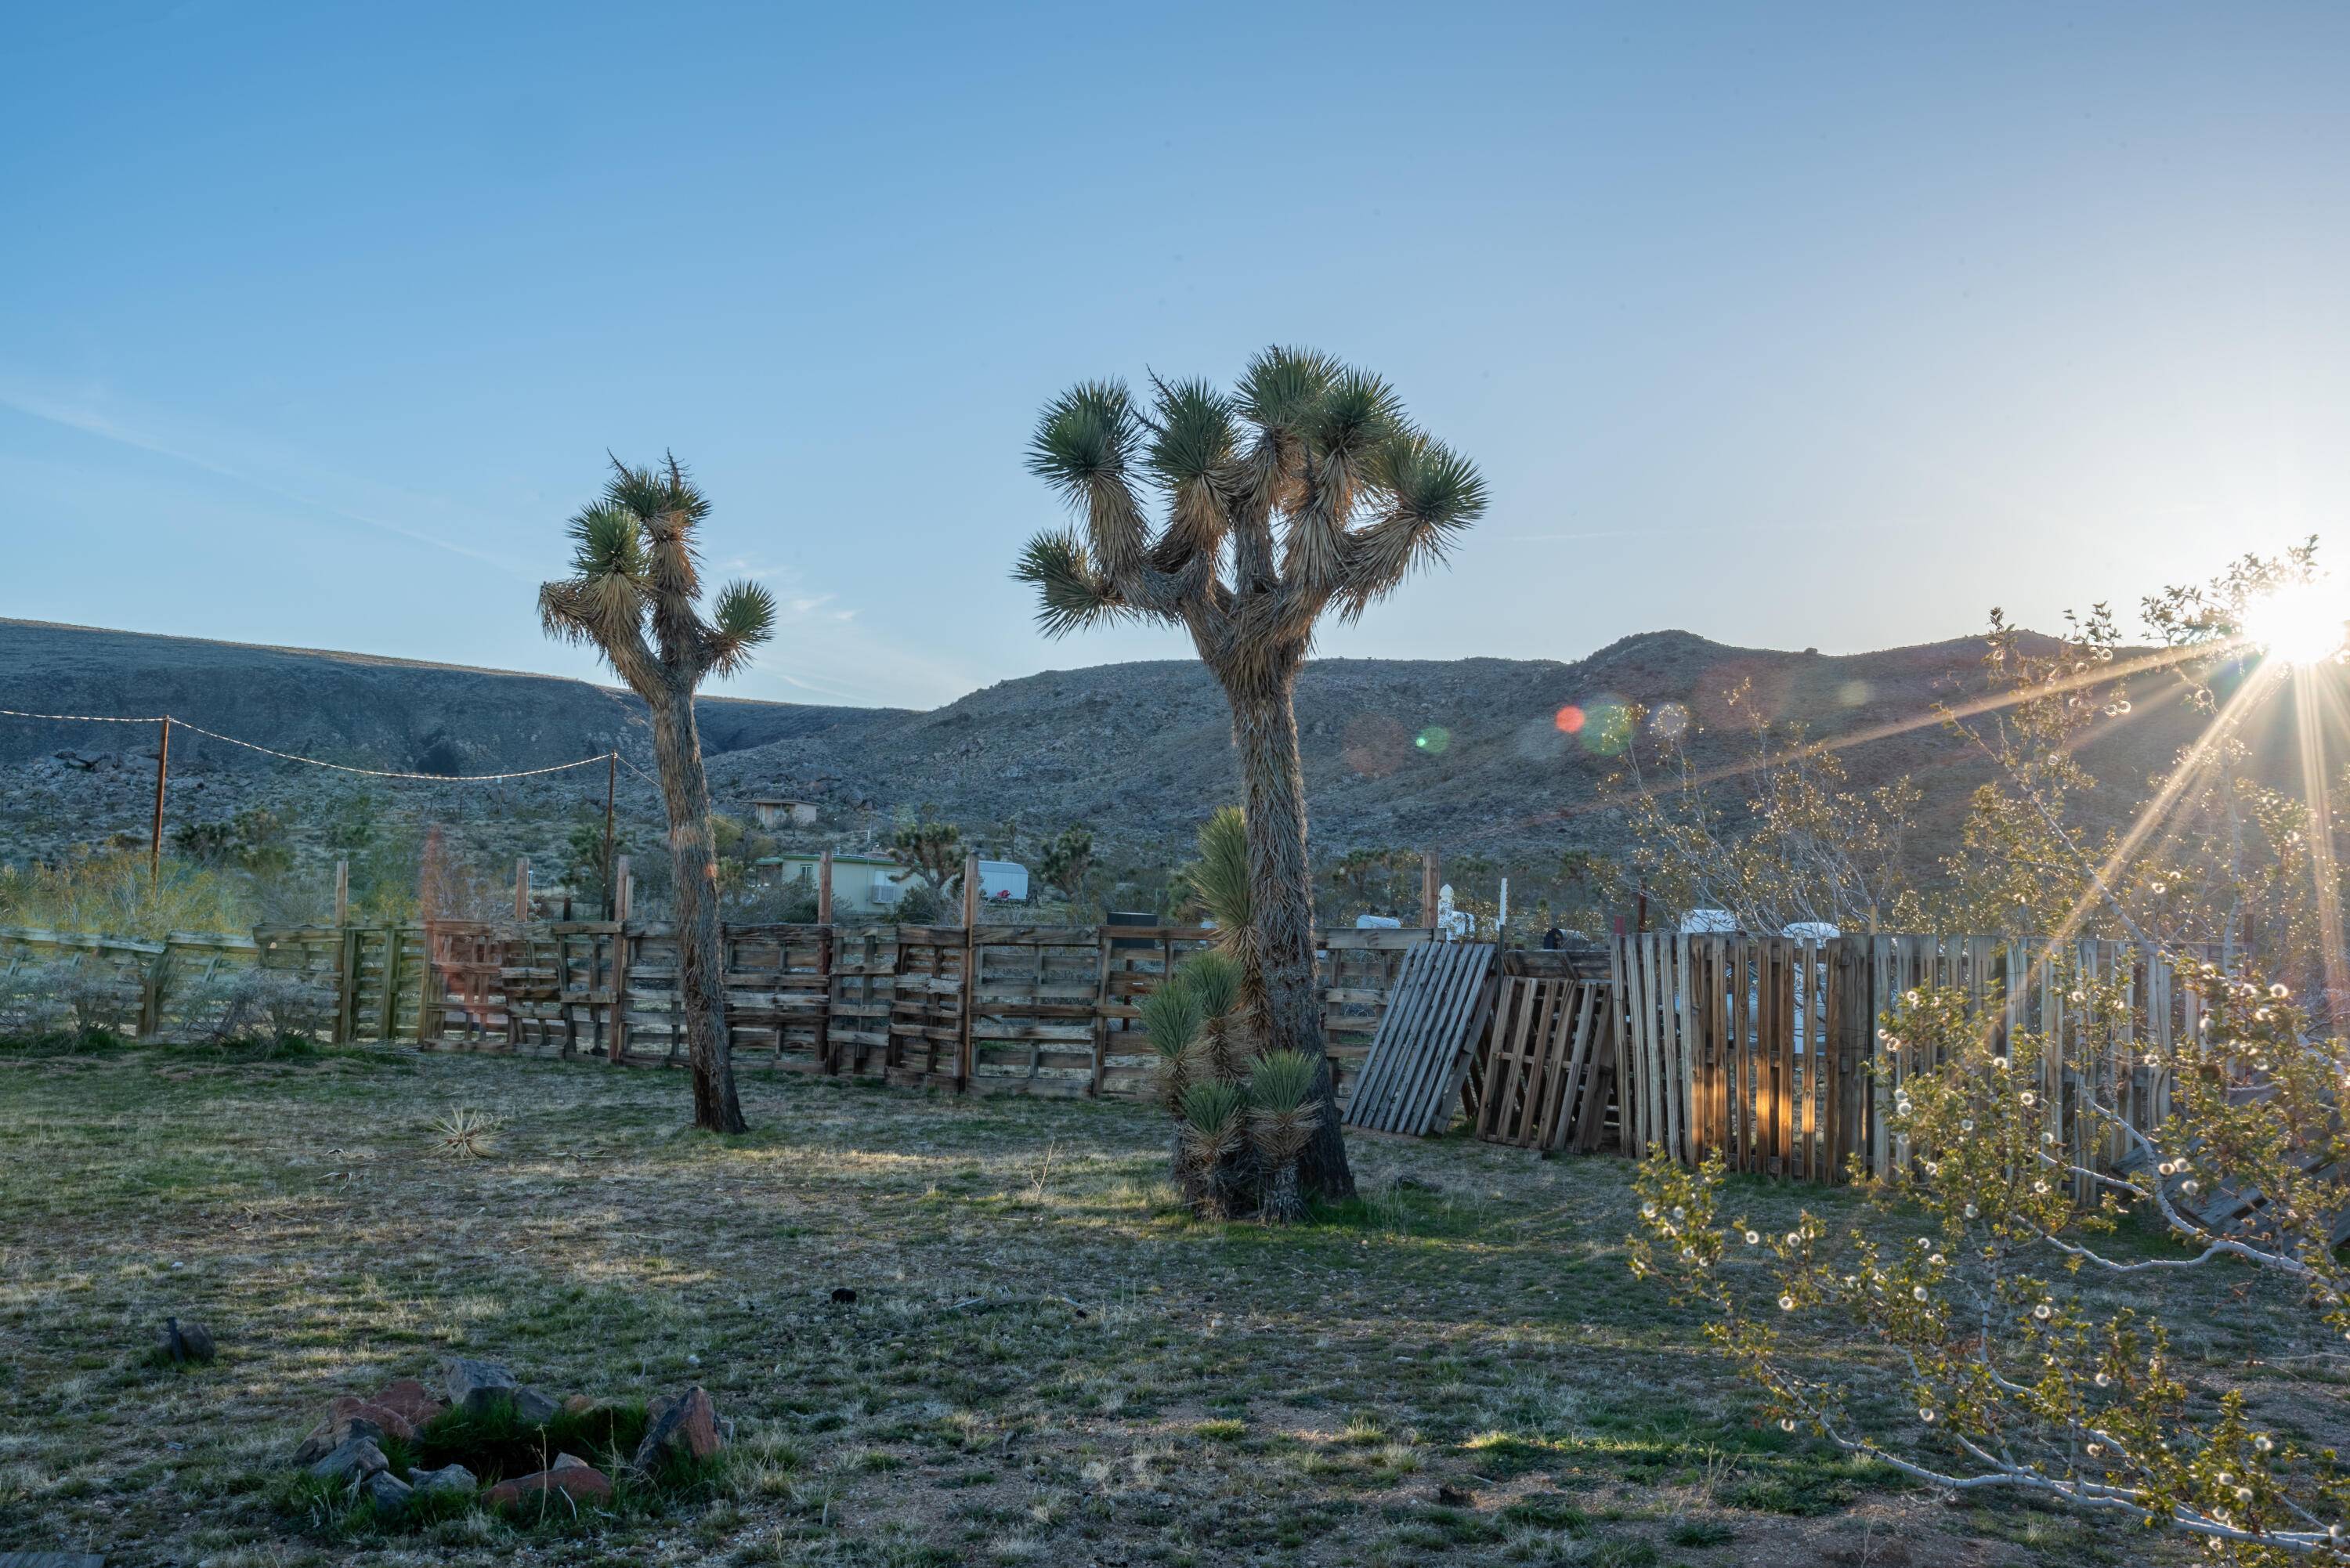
1541 1062
1419 1057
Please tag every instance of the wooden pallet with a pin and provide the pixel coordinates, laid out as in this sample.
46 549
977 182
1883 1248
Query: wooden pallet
1540 1071
1420 1056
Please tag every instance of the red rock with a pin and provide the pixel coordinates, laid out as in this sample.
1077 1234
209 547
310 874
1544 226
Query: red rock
348 1412
687 1425
411 1400
574 1479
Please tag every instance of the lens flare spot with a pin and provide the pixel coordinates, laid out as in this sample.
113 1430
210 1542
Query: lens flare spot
1853 693
1669 722
1434 740
1569 720
1607 727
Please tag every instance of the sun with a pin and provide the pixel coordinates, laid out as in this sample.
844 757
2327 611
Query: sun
2301 623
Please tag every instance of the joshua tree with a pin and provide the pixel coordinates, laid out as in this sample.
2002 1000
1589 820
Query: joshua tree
1068 860
930 849
1305 490
635 593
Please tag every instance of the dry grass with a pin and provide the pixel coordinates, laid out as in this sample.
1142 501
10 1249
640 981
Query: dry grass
1465 1374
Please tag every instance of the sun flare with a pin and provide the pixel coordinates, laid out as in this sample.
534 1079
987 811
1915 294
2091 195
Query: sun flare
2301 623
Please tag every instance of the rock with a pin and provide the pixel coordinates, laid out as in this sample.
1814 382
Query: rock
388 1492
686 1425
352 1458
574 1479
480 1386
579 1404
410 1400
182 1342
332 1434
448 1477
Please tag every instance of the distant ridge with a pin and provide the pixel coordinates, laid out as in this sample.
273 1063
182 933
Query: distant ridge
1468 752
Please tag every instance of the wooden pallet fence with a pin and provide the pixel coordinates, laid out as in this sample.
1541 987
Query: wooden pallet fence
1542 1086
1419 1058
1770 1049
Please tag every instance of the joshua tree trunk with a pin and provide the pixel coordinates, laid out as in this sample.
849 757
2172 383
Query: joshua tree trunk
701 943
1280 956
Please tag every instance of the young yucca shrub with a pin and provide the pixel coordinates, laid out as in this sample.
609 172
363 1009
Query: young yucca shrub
1213 1131
1281 1119
1214 977
1172 1019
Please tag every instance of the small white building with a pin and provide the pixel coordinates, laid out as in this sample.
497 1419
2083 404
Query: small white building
862 884
774 813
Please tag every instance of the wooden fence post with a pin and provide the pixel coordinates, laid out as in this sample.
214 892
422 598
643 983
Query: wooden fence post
824 888
522 888
970 967
428 1026
151 992
342 894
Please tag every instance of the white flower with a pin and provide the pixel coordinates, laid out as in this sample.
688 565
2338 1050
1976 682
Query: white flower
1936 1260
1972 1212
1968 1125
2263 1443
2043 1310
1753 1237
2029 1098
1786 1423
1999 1063
2279 991
2104 1379
1648 1211
1919 1291
1795 1238
2041 1188
1924 1414
2190 1187
1786 1303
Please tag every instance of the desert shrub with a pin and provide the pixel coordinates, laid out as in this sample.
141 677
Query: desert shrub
919 905
29 1003
97 1001
271 1005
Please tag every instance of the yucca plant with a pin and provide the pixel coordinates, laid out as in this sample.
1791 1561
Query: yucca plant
635 596
1174 1019
1213 1131
1226 1039
1282 1118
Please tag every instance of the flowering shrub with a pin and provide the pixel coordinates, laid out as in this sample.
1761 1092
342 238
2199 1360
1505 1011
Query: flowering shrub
1969 1270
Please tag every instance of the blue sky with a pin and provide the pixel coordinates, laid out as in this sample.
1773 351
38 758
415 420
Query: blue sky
1790 325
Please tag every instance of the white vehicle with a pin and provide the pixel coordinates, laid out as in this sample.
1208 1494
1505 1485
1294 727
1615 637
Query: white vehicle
1707 923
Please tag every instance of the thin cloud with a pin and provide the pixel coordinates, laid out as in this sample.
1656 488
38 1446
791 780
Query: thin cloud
143 434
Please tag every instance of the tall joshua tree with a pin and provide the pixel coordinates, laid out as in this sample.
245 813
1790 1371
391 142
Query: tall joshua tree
1303 491
635 594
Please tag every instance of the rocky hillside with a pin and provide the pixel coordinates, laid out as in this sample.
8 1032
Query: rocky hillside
1469 753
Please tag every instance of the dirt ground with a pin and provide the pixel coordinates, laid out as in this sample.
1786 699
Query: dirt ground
1457 1370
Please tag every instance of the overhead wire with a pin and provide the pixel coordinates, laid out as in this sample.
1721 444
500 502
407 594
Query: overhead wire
320 761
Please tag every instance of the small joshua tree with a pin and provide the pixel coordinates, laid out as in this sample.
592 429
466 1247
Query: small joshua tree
1306 491
635 596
